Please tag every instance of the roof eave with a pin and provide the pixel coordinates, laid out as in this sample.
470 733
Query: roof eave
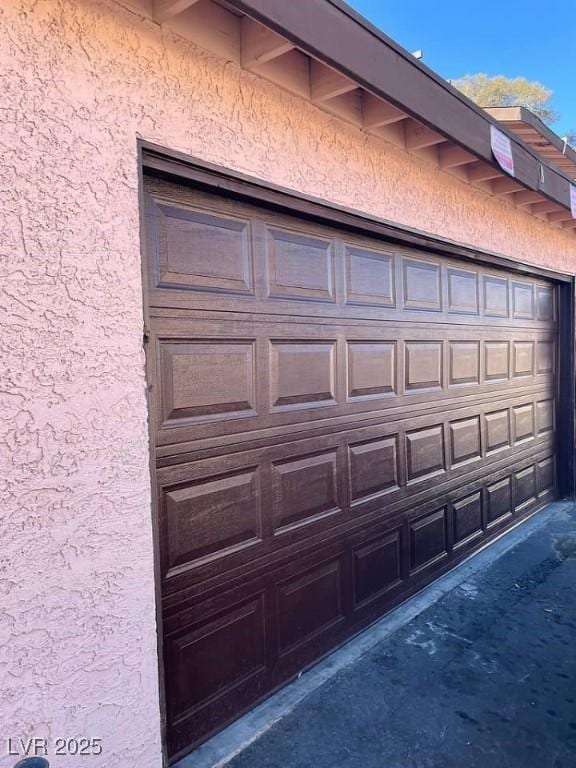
333 33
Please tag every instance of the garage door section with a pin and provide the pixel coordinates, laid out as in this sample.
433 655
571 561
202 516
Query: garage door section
336 421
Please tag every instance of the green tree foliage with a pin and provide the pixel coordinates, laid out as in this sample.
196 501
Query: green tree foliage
500 91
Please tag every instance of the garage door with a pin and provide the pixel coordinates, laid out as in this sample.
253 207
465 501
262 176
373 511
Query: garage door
336 421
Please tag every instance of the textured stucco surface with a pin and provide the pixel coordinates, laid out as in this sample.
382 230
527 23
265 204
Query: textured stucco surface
79 82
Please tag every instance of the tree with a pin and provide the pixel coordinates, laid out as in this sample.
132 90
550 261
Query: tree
501 91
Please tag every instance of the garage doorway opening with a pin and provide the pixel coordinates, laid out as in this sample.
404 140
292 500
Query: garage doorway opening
340 411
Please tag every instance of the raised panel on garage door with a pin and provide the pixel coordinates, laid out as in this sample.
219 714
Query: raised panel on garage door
336 421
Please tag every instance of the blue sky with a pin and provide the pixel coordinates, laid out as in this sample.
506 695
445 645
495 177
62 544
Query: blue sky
531 38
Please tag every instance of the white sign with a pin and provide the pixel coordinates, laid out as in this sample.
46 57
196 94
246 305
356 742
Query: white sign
502 149
573 200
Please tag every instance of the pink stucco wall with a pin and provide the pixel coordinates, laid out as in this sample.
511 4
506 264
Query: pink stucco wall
79 82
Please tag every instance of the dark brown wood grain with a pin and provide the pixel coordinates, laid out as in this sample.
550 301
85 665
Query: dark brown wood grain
177 166
336 419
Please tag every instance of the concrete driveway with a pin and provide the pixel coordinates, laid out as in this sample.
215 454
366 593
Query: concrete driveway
481 673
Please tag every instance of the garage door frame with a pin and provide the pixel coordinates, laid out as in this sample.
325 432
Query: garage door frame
177 167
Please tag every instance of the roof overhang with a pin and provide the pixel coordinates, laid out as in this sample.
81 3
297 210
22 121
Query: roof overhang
325 52
532 131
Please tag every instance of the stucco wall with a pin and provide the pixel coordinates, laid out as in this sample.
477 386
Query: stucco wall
79 81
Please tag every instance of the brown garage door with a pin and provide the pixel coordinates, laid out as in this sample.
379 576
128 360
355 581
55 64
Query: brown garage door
336 421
